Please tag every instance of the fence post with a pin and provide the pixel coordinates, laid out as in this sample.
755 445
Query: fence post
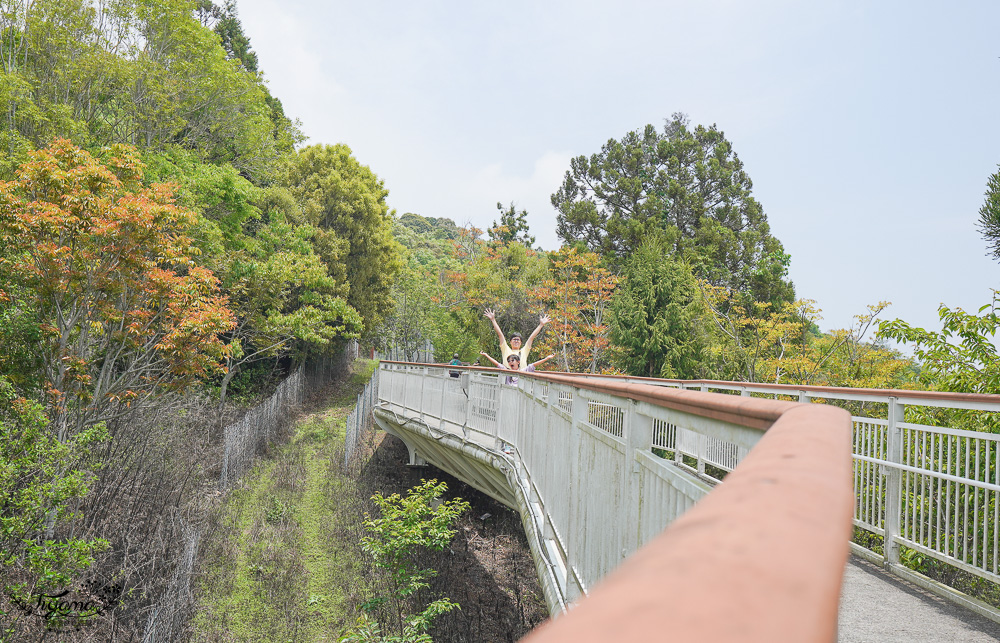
467 381
893 490
445 383
404 376
226 455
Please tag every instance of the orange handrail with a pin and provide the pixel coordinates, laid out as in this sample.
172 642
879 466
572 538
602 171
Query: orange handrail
758 560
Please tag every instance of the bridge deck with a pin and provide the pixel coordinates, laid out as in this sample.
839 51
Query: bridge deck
877 606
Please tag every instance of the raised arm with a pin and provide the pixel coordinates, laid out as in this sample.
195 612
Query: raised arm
544 319
543 360
495 363
490 314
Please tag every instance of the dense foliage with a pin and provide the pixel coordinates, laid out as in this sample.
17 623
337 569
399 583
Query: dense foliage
644 314
659 319
345 202
103 266
163 249
420 520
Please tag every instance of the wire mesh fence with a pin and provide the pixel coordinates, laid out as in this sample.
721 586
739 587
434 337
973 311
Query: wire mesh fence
359 421
421 352
246 437
168 616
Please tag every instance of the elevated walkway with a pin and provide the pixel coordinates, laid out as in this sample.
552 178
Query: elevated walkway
598 467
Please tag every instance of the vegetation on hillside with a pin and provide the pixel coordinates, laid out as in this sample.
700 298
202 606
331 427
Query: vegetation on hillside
157 261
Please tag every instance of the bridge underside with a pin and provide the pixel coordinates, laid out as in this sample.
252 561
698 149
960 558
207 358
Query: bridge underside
492 473
473 464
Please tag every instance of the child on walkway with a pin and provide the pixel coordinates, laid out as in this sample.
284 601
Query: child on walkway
514 364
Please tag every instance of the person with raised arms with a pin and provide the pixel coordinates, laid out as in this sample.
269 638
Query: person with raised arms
515 346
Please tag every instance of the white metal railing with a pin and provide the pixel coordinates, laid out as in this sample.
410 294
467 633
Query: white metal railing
589 462
920 484
933 489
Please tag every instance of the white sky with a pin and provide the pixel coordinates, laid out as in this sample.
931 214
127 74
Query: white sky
869 128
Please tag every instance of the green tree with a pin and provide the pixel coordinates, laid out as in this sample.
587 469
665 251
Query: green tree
284 300
504 278
234 40
419 521
345 200
689 186
962 356
20 335
659 320
427 305
989 216
513 226
281 291
228 27
103 265
41 480
146 73
576 296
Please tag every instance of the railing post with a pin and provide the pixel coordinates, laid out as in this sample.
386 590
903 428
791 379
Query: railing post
444 385
466 383
893 489
579 417
499 414
638 438
404 378
425 373
702 449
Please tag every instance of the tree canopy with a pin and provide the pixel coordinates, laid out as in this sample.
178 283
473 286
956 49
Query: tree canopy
687 185
345 201
659 321
103 266
512 226
146 73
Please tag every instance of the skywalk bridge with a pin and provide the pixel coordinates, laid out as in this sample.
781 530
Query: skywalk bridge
605 473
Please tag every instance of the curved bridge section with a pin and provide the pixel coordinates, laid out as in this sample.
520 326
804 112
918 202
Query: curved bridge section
599 468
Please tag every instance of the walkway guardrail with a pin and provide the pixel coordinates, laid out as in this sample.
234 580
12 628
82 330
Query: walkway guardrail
926 472
598 468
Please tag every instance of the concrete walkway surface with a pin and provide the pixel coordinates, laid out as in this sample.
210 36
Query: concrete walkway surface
876 606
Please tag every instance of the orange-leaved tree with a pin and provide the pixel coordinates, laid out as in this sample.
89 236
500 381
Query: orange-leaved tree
104 265
577 294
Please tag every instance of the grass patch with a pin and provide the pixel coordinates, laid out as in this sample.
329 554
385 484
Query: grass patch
283 563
